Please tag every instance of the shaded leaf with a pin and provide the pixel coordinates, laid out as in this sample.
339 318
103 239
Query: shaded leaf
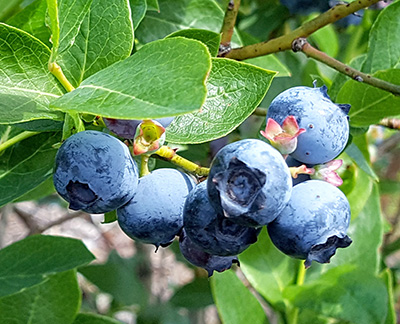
26 165
27 262
326 40
387 276
369 104
26 85
356 155
272 63
94 319
384 41
181 14
196 294
235 303
235 89
343 293
45 189
138 9
118 277
32 19
268 270
164 78
209 38
56 300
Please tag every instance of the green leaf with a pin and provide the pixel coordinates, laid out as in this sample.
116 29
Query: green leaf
164 78
235 89
110 217
268 270
387 276
32 19
65 18
94 319
104 36
7 8
369 104
209 38
343 293
138 9
327 40
356 155
41 125
366 231
26 85
272 63
26 165
45 189
153 5
56 300
181 14
340 78
235 303
194 295
119 278
384 41
27 262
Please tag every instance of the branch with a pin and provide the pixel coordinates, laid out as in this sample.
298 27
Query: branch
393 123
56 70
301 44
228 27
284 42
169 154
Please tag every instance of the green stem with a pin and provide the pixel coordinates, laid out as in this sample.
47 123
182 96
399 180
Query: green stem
144 165
169 154
16 139
284 42
228 27
301 275
301 44
56 70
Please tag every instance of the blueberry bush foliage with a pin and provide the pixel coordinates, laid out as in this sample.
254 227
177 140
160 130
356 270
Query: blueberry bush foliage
67 66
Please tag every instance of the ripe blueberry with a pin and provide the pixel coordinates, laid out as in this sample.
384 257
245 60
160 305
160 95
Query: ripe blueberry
313 224
154 214
196 256
210 230
326 123
251 181
95 172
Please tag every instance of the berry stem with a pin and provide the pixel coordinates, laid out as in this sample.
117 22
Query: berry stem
228 27
16 139
301 275
144 165
284 42
301 44
169 154
56 70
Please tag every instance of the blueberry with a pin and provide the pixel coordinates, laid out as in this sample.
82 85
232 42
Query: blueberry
314 223
95 172
126 128
154 214
210 230
326 123
196 256
305 6
251 181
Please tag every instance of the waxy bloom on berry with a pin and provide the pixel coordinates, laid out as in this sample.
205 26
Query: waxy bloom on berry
283 138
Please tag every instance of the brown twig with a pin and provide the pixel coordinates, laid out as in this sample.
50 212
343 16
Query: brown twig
284 42
393 123
301 44
228 27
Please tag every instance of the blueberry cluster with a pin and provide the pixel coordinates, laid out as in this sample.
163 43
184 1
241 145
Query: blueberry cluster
249 186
